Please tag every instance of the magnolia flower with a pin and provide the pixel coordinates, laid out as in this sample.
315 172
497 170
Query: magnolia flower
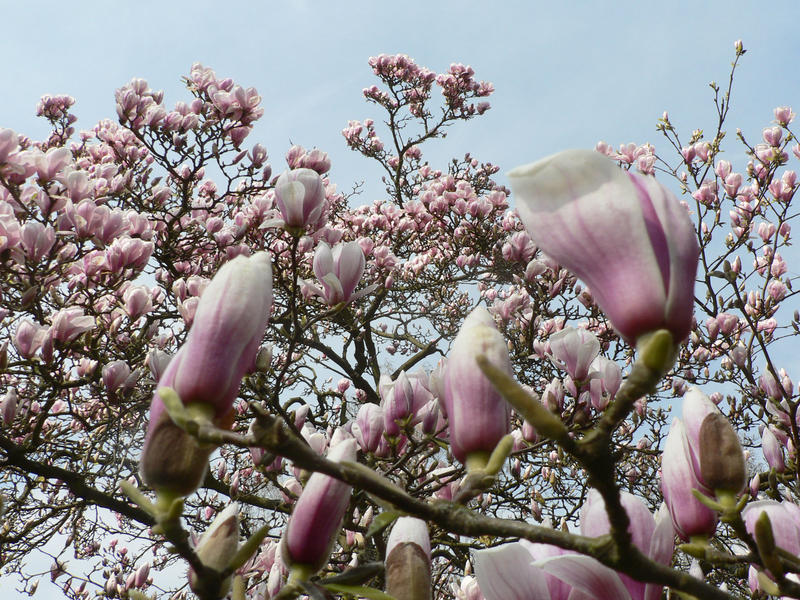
368 428
68 324
785 520
502 572
226 333
580 576
574 350
8 407
115 374
467 589
652 535
317 517
701 453
771 448
507 573
339 270
207 370
300 196
403 400
679 476
477 414
625 235
680 469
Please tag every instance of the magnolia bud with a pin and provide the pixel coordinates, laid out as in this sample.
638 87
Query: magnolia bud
408 560
477 414
228 326
171 459
207 371
218 545
317 517
721 458
8 407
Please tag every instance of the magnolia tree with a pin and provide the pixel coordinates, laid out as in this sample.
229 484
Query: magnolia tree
224 380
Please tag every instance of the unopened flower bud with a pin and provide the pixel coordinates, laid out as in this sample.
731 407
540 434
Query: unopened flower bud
218 545
478 416
721 458
772 450
317 517
228 327
207 370
408 560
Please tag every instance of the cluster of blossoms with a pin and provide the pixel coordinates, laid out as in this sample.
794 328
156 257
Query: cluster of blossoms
286 345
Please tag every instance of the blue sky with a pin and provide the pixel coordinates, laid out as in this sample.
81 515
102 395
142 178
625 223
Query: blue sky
567 74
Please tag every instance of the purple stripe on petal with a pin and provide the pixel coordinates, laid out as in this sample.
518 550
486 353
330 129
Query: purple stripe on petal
655 230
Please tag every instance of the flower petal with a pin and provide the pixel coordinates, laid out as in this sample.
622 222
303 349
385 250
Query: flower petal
678 479
587 575
505 573
576 203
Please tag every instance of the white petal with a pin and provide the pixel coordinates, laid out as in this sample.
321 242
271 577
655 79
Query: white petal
587 575
505 573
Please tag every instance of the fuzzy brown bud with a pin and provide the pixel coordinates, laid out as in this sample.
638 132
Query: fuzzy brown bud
408 560
721 458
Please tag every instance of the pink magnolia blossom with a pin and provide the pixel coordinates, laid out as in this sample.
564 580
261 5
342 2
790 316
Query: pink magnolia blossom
115 374
49 163
317 515
8 407
609 373
686 465
574 350
403 400
69 323
229 324
339 270
28 338
771 448
652 535
467 589
207 370
625 235
137 301
300 196
430 417
679 476
478 416
10 230
298 158
785 520
141 575
37 240
8 143
128 252
368 428
784 115
157 361
522 570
